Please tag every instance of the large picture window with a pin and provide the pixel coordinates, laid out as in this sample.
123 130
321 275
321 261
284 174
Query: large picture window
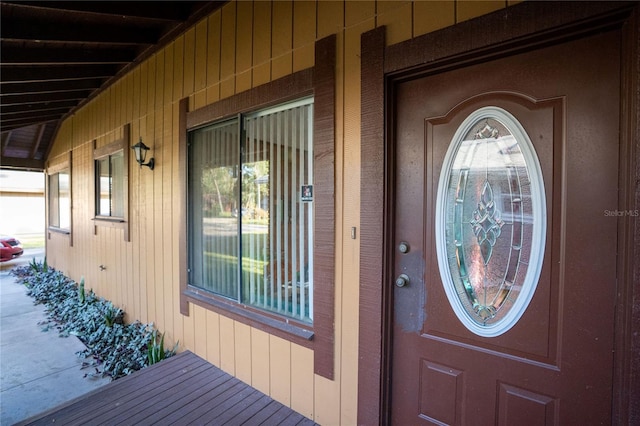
258 196
250 188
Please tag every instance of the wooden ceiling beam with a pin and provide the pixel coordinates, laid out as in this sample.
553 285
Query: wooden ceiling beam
11 54
21 164
56 73
38 108
68 32
167 11
16 124
32 98
32 114
6 139
50 86
37 141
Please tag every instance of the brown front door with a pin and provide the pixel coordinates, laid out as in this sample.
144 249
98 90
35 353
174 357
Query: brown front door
504 236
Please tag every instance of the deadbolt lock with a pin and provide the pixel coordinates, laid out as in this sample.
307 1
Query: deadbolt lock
403 247
402 280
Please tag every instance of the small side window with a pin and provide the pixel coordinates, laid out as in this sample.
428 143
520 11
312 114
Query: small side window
111 177
60 200
59 196
110 186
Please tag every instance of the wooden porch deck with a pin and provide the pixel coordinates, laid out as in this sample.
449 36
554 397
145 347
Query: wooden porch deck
184 389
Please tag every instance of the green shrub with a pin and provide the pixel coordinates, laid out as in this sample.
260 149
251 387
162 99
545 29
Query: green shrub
156 351
115 348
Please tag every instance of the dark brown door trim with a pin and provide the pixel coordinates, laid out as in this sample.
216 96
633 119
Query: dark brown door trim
519 28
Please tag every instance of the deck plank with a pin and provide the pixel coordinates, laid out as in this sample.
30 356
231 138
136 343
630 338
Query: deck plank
124 409
112 392
250 411
263 415
180 390
123 403
231 405
157 410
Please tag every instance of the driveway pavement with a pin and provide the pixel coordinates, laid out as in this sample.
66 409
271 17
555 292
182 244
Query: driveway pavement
38 370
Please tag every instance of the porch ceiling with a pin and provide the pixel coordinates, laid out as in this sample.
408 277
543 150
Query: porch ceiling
57 55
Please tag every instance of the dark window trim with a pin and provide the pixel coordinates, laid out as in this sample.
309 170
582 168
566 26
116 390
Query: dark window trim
66 163
320 82
515 29
121 144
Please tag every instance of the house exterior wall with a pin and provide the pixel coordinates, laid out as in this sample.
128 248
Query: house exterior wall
241 46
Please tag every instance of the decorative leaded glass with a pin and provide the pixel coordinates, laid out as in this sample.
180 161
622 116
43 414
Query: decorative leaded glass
491 221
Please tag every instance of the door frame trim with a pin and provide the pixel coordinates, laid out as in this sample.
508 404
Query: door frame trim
523 27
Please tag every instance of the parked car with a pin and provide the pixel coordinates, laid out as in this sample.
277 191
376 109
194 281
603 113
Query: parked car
10 248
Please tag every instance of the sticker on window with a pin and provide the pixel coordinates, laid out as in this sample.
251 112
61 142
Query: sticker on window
306 193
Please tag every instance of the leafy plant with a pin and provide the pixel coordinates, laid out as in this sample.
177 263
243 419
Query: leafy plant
113 315
81 294
38 266
114 348
156 351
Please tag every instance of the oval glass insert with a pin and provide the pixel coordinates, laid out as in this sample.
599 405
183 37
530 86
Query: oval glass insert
490 221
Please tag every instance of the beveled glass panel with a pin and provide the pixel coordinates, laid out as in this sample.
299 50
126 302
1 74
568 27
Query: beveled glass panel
490 213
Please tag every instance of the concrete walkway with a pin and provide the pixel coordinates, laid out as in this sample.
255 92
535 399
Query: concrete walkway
38 370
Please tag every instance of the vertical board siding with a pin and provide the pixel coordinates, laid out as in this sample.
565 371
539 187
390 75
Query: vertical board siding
396 17
430 16
167 226
188 64
243 45
244 35
261 32
281 39
351 218
202 31
213 49
157 203
228 50
466 10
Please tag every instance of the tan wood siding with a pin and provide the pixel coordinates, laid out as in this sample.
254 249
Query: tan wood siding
243 45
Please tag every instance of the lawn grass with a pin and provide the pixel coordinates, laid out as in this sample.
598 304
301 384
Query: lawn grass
31 241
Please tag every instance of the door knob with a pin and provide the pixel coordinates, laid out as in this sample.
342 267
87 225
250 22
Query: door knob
402 280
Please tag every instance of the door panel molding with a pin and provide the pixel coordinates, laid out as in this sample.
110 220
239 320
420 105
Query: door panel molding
519 28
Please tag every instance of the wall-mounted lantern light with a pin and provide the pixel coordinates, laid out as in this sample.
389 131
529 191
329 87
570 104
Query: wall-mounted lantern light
140 150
